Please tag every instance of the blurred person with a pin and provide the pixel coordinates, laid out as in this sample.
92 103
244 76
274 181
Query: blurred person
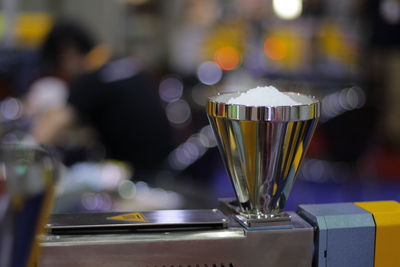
62 57
115 102
120 100
65 49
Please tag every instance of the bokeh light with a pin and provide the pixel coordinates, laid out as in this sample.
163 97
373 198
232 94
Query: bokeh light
96 201
192 150
209 73
390 11
322 171
287 9
208 133
255 62
127 189
156 197
198 141
199 94
112 173
227 58
178 112
171 89
275 48
10 108
143 191
341 101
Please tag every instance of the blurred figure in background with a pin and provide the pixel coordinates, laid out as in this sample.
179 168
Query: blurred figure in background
120 100
65 50
115 102
62 58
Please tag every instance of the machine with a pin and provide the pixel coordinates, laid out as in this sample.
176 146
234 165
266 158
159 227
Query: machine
329 235
262 148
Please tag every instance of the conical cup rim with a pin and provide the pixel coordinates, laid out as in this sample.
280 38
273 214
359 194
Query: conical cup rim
217 106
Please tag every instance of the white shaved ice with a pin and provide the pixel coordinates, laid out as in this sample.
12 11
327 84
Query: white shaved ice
263 96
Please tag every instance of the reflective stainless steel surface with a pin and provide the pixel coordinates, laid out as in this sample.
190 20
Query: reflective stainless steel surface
27 176
112 222
262 148
231 247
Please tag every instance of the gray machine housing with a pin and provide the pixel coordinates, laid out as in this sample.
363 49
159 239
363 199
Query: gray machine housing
186 240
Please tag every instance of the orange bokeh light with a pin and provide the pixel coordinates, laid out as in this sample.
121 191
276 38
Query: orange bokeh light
227 58
275 48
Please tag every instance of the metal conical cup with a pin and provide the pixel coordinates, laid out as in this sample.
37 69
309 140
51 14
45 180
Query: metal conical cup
262 148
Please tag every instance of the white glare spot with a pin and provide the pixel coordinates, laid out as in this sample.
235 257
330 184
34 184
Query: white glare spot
287 9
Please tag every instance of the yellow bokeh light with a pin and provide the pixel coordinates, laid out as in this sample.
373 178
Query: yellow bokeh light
30 27
275 48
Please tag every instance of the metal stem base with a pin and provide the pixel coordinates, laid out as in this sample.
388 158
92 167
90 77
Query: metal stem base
281 220
230 207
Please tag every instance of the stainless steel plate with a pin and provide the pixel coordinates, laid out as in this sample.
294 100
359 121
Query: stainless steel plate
160 220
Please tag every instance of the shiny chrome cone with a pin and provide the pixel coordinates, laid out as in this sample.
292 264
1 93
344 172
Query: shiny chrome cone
262 148
27 178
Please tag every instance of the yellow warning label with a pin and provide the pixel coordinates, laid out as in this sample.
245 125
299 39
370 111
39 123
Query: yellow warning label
133 217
